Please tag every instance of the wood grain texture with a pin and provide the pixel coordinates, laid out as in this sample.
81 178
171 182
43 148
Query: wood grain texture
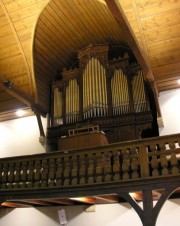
38 38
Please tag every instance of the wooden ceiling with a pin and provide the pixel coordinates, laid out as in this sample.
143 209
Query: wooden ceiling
38 38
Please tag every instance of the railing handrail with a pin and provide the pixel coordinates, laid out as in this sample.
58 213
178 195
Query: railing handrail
131 160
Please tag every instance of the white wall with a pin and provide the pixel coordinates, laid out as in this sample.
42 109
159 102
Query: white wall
15 133
170 108
20 137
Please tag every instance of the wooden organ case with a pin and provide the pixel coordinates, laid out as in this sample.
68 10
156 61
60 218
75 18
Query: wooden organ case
104 91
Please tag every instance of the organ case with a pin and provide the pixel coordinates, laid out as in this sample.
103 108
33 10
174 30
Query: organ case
102 90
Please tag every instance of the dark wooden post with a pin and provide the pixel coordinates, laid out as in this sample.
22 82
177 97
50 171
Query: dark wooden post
144 161
148 217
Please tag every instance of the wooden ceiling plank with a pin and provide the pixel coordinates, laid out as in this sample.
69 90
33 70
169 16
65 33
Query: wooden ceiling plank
24 23
169 78
62 201
30 202
163 20
26 12
52 38
161 34
158 8
25 34
108 198
80 21
116 11
73 26
107 23
19 4
52 48
52 42
15 92
56 33
48 52
13 204
92 22
166 70
45 67
163 46
165 58
63 28
87 200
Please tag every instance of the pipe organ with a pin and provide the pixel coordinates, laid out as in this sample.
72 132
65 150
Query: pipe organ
101 89
94 90
120 96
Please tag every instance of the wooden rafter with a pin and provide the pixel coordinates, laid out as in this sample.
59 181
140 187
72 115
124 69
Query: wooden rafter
118 14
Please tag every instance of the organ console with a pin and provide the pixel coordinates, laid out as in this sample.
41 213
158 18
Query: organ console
104 89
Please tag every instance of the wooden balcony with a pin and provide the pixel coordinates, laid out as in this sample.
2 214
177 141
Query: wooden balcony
108 174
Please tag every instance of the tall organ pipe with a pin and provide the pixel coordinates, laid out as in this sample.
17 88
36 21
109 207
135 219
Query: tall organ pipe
94 89
120 98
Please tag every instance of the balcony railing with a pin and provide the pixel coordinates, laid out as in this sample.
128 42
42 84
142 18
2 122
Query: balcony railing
120 162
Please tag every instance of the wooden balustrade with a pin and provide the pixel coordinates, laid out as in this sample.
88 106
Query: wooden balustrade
127 161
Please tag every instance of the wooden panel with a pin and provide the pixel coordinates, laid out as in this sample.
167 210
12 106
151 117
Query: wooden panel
26 12
165 58
163 46
82 141
158 7
19 4
161 20
166 70
164 33
25 23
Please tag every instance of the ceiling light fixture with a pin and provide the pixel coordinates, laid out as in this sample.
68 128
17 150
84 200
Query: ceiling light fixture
178 81
20 113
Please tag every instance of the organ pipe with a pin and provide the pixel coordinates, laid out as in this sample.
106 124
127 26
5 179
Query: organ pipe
57 104
72 101
119 88
139 96
94 89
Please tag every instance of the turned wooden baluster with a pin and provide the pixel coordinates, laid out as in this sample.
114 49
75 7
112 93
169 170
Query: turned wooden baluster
163 159
44 173
59 172
173 159
116 164
107 169
134 162
67 170
4 175
30 174
23 175
37 174
91 168
17 174
83 168
99 168
154 161
125 164
10 175
52 170
74 171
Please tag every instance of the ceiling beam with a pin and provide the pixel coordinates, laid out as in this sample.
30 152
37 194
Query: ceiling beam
117 11
8 86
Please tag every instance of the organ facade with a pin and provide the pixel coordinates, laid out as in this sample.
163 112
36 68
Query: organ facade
102 88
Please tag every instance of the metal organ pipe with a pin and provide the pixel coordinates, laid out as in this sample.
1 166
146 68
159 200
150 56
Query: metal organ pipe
72 101
120 96
57 105
139 97
94 89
